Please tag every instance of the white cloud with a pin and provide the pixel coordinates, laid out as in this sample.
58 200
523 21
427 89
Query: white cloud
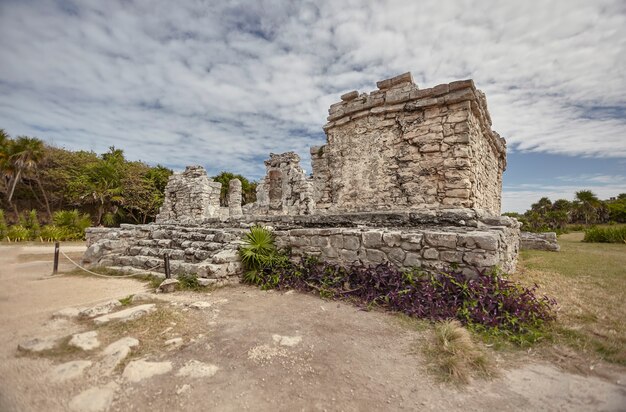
224 83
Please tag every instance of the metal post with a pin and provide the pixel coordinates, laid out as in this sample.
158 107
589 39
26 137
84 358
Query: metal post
166 259
55 268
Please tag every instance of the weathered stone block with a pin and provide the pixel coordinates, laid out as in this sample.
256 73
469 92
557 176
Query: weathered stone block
441 239
372 239
351 242
430 253
376 256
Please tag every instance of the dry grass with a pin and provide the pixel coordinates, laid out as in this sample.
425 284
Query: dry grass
589 282
454 356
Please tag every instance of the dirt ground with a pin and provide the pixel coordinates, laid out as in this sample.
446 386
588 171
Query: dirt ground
272 350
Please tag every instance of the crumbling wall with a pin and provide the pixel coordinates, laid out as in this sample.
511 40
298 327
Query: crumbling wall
539 241
401 147
190 197
285 190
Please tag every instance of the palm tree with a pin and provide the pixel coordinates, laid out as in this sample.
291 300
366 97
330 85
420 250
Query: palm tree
586 203
25 154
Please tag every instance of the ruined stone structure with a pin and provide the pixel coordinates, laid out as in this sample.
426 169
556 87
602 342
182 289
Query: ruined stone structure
400 147
539 241
190 197
407 176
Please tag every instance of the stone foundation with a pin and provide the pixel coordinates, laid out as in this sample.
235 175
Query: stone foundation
423 240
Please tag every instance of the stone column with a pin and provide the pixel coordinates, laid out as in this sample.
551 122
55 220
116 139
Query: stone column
234 198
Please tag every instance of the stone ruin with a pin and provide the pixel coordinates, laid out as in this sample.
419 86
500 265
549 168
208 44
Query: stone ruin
407 176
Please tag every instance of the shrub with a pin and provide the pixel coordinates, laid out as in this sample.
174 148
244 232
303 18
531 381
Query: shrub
18 233
188 281
484 301
259 252
73 222
3 225
606 235
53 233
30 222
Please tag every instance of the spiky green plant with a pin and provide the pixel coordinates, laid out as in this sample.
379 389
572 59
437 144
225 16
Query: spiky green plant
73 222
18 233
258 252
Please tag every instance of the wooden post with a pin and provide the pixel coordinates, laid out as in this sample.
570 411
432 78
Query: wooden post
55 268
166 259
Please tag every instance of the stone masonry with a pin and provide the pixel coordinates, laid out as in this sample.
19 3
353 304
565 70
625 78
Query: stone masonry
400 147
190 197
407 176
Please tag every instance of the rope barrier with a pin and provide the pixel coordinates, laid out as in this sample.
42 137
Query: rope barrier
100 274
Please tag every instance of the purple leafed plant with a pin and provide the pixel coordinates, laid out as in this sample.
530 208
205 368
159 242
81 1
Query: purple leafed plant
486 300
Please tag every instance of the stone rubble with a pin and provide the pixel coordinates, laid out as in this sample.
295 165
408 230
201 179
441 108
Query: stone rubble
168 286
100 309
539 241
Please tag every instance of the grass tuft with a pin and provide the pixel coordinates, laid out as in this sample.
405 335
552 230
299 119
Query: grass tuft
454 355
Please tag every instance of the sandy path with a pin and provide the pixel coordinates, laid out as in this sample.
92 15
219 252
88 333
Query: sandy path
274 351
27 298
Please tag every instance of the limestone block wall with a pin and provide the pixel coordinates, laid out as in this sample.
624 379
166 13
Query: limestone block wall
285 190
190 197
431 249
431 242
209 253
400 147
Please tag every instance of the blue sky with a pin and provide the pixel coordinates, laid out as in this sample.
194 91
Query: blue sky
224 83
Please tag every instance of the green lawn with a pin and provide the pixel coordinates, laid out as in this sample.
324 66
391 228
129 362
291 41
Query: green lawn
589 282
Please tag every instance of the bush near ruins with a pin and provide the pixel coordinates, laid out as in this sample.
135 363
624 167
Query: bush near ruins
606 235
486 302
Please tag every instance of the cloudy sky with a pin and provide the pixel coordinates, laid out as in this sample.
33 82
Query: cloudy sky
223 83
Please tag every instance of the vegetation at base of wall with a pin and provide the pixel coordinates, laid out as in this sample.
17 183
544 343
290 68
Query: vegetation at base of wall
188 281
563 215
486 301
605 235
66 225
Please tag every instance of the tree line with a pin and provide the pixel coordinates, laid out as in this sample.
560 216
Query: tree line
110 189
585 209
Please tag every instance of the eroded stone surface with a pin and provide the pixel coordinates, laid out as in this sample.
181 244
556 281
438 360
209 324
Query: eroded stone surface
139 370
96 399
85 341
67 313
125 315
115 353
168 286
197 369
540 241
100 309
39 344
287 340
69 370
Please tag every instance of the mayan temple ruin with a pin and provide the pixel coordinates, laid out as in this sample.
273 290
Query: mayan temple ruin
408 176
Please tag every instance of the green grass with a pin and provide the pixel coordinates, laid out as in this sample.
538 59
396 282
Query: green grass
589 282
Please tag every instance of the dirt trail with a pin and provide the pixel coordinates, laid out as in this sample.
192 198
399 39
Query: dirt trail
272 350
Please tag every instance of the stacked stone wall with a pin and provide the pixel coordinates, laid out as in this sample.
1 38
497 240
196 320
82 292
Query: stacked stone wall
539 241
191 197
400 147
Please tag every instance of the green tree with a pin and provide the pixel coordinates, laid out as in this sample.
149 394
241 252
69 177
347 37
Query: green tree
101 183
586 205
248 188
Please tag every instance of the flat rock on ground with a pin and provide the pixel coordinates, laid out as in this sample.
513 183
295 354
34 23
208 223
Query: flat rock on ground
197 369
69 370
139 370
85 341
39 344
127 314
96 399
115 353
100 309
